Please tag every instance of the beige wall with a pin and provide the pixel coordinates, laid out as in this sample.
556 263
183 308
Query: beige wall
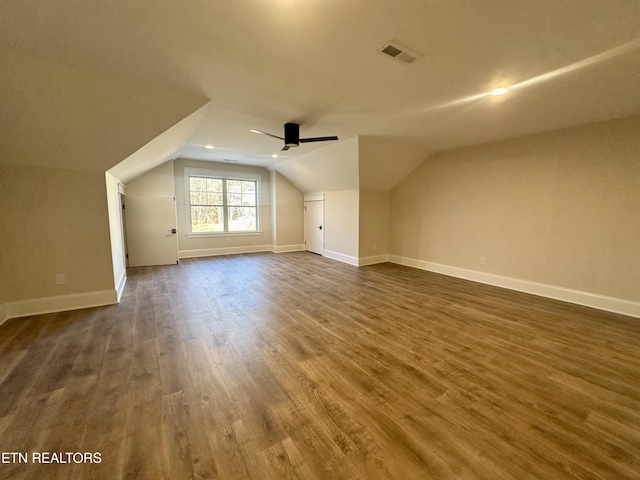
341 213
53 221
229 241
560 208
374 223
287 212
158 182
281 225
384 161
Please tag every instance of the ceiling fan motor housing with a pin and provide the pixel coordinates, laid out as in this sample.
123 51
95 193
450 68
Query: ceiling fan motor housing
291 134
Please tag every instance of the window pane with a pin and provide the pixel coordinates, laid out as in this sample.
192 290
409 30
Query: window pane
196 184
248 187
214 198
207 219
242 219
219 202
248 200
234 199
202 198
234 186
214 185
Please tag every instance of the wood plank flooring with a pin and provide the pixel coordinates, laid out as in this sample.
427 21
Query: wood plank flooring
269 366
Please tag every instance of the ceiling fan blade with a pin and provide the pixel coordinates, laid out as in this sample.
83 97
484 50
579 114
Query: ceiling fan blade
318 139
284 149
265 133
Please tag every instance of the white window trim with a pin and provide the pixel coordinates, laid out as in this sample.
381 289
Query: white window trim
228 175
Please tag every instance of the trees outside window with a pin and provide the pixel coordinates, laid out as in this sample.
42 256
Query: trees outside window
222 204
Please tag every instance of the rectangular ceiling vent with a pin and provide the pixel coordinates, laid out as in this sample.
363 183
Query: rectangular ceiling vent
398 53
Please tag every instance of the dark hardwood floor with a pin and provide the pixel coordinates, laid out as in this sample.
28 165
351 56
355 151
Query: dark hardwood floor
269 366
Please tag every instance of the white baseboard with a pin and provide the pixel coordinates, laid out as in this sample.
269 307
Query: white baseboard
120 286
60 303
341 257
212 252
372 260
286 248
601 302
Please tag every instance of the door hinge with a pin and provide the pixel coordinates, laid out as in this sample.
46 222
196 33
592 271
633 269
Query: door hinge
126 255
123 206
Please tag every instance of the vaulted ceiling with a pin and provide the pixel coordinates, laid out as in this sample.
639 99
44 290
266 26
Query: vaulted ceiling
87 84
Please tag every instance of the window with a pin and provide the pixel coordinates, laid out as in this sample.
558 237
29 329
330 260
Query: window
220 202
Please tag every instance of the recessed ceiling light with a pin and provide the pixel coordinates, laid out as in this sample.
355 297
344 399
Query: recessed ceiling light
209 146
275 155
499 91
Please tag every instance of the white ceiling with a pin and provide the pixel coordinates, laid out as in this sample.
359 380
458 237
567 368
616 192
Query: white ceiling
262 63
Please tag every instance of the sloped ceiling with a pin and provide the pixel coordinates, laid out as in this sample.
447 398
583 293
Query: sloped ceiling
332 168
263 63
365 163
69 117
165 146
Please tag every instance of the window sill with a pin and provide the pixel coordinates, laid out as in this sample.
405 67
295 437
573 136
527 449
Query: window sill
222 234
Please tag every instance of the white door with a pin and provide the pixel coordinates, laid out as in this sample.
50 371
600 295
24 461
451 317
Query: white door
151 231
314 226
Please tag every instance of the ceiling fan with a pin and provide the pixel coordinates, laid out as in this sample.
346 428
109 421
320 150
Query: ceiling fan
292 136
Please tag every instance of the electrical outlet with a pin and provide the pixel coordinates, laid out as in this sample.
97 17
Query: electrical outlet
374 247
60 279
483 260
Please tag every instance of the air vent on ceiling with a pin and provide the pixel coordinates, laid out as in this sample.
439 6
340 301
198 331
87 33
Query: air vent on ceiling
398 53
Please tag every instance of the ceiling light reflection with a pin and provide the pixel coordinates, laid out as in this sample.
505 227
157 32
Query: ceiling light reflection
499 91
600 57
